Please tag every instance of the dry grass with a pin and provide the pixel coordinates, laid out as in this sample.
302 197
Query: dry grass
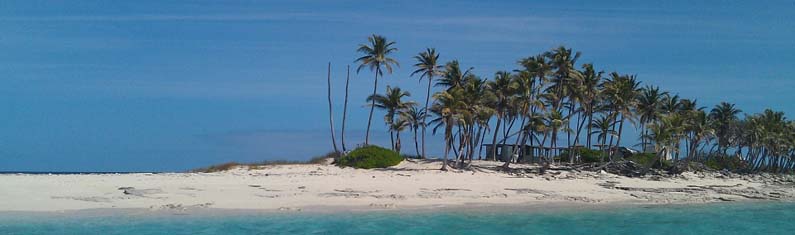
231 165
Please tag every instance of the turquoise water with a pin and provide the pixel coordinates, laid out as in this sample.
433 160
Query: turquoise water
766 218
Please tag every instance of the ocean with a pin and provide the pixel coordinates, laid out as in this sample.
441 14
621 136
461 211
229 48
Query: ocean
722 218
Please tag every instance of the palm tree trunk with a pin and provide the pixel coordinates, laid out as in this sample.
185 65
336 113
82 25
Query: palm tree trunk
620 128
372 107
493 155
345 109
425 114
480 144
590 121
516 148
448 141
392 139
330 111
397 143
416 146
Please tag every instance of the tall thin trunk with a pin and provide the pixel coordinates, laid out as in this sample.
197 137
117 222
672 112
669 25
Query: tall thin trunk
448 141
516 148
613 130
392 139
620 128
397 142
416 145
425 114
480 144
372 106
580 124
345 109
330 111
493 155
590 121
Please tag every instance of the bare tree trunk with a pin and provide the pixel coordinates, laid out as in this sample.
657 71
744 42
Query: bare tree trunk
372 107
330 111
345 109
425 115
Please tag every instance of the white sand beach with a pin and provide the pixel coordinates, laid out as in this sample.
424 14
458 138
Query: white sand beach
411 184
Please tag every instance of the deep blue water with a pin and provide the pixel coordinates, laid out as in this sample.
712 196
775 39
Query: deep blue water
758 218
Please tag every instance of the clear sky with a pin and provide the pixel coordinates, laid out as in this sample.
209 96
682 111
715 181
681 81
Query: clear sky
172 85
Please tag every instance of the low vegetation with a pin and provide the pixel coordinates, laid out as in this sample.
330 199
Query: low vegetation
370 157
232 165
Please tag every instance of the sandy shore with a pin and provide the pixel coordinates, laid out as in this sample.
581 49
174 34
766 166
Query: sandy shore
412 184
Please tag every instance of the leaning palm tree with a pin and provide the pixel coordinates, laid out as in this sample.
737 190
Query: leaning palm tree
428 67
449 107
621 92
376 57
392 103
415 118
502 88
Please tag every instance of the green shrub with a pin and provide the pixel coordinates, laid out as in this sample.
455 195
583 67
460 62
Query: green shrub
718 162
369 157
586 155
649 160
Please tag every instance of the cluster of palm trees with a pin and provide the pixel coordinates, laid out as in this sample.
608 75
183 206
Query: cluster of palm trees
550 98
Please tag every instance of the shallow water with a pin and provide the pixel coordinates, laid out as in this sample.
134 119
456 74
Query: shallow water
756 218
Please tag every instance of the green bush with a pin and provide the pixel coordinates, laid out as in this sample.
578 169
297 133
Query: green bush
649 160
718 162
369 157
586 155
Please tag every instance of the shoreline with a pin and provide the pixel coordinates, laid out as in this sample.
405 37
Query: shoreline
414 185
539 208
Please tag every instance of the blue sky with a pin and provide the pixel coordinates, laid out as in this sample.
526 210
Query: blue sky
172 85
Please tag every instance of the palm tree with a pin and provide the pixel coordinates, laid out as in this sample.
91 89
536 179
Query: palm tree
376 57
590 95
415 118
480 102
453 76
428 67
648 109
724 116
502 88
555 122
621 93
397 126
562 61
700 127
664 133
448 107
392 103
602 128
